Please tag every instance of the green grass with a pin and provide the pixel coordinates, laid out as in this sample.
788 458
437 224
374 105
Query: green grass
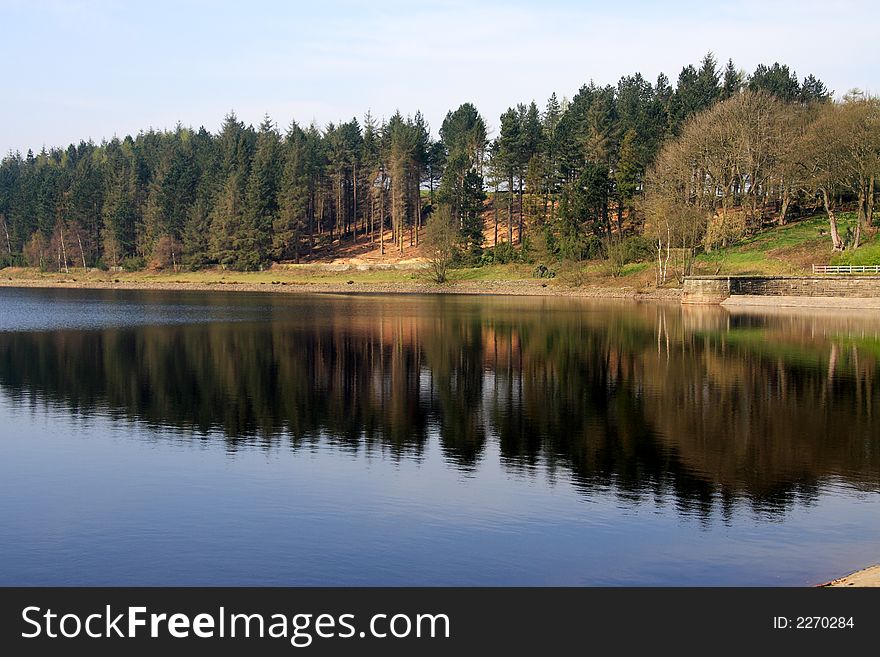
795 234
782 250
632 268
509 272
867 254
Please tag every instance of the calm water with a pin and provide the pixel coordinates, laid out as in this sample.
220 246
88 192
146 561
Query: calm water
155 438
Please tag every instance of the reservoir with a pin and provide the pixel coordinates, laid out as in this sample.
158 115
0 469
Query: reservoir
189 438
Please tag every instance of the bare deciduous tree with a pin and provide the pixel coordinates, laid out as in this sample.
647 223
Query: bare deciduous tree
441 241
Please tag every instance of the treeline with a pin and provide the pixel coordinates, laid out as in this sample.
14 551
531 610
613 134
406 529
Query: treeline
752 159
246 197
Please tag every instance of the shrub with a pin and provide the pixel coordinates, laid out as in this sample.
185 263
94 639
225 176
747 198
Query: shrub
542 271
624 251
133 263
166 253
572 274
506 253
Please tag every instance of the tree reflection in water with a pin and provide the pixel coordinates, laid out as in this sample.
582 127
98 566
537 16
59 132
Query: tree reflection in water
703 405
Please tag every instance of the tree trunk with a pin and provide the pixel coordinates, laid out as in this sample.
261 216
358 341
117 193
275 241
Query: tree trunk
870 201
495 204
355 199
786 201
64 252
510 210
836 242
340 215
382 214
606 219
659 262
81 251
862 219
544 197
311 223
521 212
6 230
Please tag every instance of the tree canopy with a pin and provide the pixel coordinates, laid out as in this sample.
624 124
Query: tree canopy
577 172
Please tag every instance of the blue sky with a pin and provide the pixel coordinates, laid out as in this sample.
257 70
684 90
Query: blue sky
80 69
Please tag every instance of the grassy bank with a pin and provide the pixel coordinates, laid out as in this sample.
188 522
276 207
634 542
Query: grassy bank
789 250
286 275
495 279
783 250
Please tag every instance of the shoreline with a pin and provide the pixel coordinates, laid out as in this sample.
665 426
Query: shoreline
866 577
487 288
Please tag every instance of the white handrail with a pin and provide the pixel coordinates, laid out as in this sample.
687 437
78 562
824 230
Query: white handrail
846 269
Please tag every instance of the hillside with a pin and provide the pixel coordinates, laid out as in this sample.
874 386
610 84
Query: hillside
789 250
363 251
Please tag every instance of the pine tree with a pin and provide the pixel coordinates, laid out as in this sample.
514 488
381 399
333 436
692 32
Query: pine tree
529 148
228 228
507 159
776 80
253 239
293 219
733 81
813 90
463 134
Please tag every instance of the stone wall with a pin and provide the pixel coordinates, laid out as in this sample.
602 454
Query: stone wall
705 289
715 289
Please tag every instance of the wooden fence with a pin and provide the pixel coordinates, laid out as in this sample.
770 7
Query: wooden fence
846 269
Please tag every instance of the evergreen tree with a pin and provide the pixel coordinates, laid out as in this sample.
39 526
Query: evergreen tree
583 205
813 90
293 221
529 149
776 80
463 134
253 239
506 159
696 91
227 217
732 82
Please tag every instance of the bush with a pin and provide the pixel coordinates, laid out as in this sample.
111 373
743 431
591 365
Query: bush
134 263
542 271
629 249
578 246
166 253
572 274
506 253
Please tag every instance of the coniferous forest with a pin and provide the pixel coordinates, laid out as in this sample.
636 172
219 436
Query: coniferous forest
713 157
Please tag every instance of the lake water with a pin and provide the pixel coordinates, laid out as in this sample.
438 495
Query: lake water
151 438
